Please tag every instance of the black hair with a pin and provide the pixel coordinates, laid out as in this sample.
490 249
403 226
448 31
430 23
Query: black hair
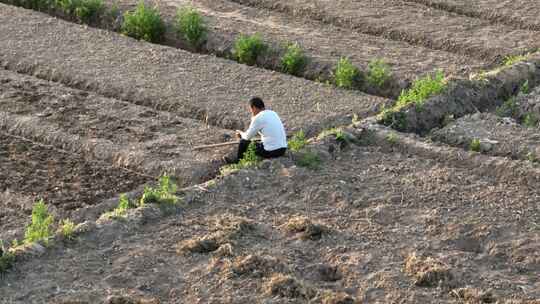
256 102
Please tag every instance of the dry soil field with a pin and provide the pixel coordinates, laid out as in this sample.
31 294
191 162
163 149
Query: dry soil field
447 213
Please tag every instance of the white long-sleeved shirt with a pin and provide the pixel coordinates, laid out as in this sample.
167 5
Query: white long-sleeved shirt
269 125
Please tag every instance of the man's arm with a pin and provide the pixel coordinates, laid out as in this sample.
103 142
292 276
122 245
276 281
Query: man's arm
254 128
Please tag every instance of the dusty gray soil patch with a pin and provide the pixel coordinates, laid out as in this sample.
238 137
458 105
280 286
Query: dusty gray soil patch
498 136
202 87
380 208
431 28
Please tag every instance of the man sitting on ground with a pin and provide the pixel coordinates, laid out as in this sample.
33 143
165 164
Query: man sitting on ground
268 124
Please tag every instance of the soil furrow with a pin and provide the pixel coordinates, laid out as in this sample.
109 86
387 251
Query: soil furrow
516 14
433 29
66 181
120 133
170 79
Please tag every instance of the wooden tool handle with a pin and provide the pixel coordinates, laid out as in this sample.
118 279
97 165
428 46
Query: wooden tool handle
230 143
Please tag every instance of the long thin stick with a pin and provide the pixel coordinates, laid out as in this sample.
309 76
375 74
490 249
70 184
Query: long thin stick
230 143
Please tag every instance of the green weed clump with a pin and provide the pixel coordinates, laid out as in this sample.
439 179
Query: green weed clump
392 139
532 157
38 5
85 10
124 204
422 89
190 24
144 23
508 109
513 59
525 88
250 160
310 160
337 132
164 194
393 118
294 60
346 74
40 228
67 228
298 141
530 120
248 48
6 258
378 73
475 145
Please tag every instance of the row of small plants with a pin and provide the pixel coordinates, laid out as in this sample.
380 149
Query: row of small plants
85 11
421 90
145 23
163 195
41 229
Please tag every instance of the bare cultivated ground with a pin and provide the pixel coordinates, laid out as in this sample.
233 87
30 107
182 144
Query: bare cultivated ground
200 87
372 226
518 14
432 28
394 220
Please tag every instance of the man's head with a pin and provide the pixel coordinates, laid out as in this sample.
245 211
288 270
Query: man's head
256 105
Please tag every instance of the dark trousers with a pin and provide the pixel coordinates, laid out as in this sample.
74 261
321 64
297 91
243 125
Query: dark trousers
259 150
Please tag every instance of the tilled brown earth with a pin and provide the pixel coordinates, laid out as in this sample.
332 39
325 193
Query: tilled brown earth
65 181
370 226
432 28
118 132
202 87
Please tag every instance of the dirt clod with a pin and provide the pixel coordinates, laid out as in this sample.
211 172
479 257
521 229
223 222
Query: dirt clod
226 229
203 245
305 228
472 295
288 287
130 300
427 272
256 265
337 298
225 250
324 272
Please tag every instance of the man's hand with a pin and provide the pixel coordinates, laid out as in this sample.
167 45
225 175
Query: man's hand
238 134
